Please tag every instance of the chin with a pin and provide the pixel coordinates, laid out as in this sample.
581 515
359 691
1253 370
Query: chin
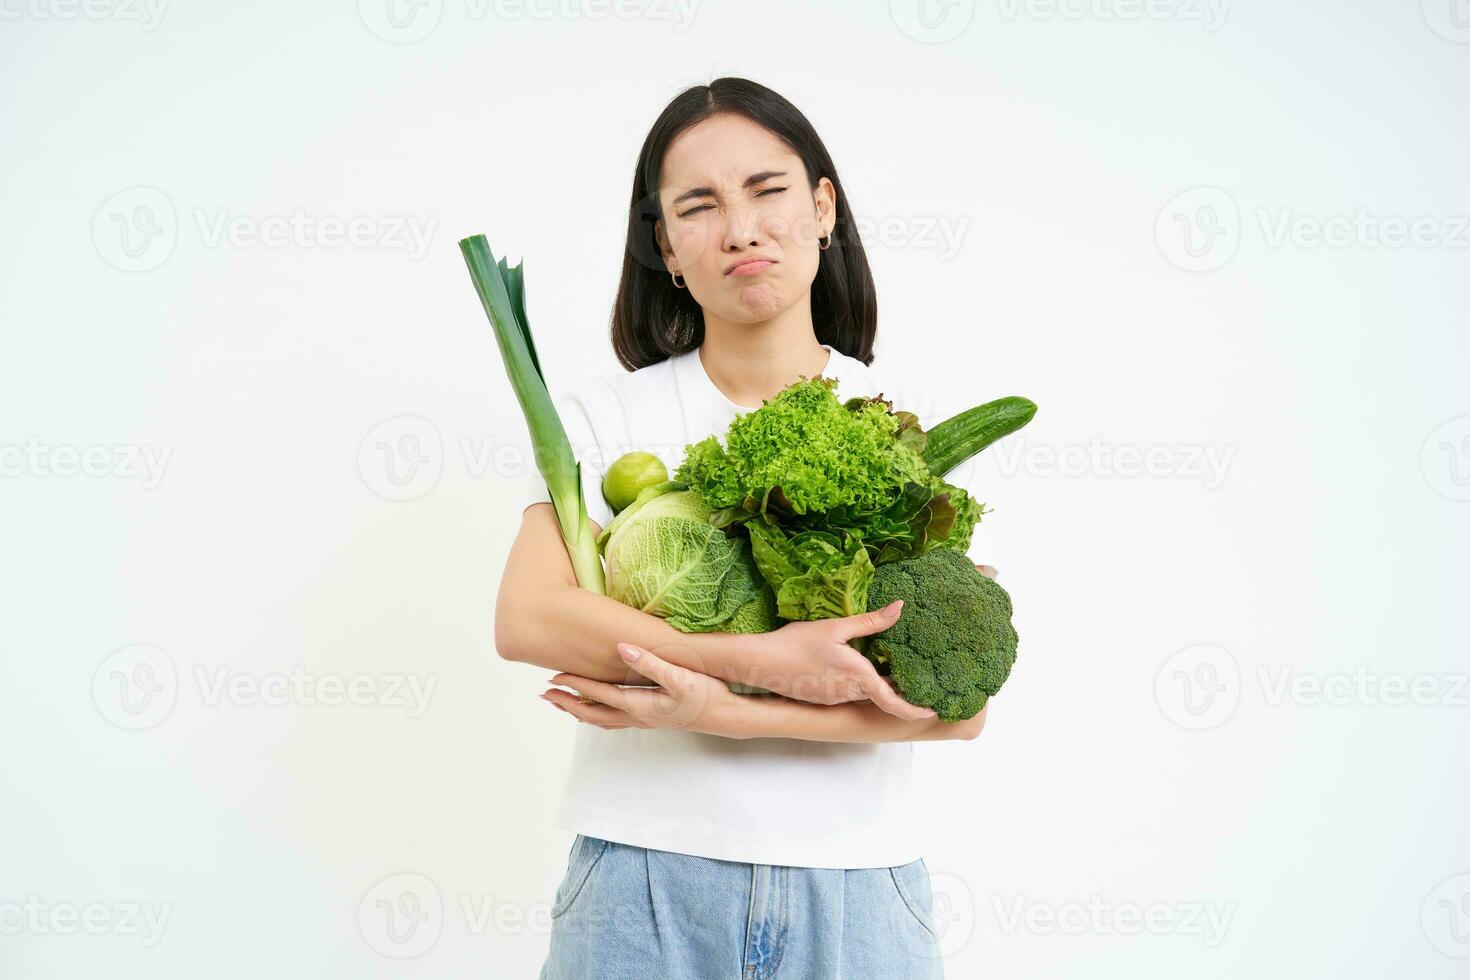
759 301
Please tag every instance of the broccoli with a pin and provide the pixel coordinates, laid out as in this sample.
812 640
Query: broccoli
953 644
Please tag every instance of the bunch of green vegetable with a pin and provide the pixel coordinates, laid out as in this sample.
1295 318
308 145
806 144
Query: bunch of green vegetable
845 508
827 490
811 508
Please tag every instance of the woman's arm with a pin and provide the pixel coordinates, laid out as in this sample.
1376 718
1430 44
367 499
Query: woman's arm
856 722
543 617
691 701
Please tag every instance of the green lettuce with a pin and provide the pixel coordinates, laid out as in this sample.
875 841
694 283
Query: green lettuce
815 574
805 452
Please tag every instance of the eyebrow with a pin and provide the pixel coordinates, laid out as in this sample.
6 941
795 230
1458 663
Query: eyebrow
750 181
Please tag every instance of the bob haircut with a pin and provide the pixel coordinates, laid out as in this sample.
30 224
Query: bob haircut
652 319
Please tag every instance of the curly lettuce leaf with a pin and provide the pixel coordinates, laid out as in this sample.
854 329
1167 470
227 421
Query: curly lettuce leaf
804 452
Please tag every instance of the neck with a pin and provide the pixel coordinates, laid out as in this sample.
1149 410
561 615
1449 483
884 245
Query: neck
752 362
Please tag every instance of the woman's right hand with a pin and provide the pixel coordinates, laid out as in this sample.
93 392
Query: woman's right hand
813 662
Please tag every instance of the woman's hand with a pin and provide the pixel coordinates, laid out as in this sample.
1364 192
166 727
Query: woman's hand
682 698
812 661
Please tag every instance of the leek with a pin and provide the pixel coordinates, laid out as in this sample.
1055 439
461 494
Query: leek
502 293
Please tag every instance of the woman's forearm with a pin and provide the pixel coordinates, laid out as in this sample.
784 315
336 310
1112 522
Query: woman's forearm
859 721
570 629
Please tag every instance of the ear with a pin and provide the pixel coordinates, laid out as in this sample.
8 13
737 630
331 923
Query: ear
825 199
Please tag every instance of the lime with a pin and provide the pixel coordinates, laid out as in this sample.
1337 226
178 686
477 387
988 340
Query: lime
629 474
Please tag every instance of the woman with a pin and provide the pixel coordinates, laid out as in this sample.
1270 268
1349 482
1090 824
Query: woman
721 835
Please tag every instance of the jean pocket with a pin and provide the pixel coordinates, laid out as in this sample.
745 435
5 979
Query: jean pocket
583 857
912 883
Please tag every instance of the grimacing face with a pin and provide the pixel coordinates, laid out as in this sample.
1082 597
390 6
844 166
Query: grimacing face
733 193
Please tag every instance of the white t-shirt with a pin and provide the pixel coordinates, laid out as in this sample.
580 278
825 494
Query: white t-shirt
775 801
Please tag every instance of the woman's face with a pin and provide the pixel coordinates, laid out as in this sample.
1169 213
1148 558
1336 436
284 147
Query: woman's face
733 193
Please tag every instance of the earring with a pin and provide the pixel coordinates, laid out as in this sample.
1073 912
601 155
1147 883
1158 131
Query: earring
675 276
826 246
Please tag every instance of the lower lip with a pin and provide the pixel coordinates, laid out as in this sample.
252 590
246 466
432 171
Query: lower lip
750 268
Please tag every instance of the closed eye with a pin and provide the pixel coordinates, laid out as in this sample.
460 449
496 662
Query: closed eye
706 207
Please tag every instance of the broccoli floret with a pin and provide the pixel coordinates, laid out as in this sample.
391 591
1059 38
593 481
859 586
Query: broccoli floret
953 644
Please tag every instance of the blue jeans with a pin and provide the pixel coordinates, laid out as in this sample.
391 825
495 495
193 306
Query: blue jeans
632 913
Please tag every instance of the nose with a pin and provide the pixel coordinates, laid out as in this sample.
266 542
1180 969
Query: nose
742 228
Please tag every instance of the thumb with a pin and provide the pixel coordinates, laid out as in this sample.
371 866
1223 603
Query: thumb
655 668
864 624
681 700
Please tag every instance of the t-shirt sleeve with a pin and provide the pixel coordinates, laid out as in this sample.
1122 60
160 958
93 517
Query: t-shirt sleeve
586 449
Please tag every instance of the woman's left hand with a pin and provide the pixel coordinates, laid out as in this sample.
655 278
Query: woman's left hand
684 699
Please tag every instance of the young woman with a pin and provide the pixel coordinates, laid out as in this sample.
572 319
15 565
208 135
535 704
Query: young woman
721 835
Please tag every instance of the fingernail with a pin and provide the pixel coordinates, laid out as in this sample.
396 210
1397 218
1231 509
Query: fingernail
894 606
629 652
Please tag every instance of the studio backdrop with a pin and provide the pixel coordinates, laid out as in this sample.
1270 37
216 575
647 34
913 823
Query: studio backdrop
261 466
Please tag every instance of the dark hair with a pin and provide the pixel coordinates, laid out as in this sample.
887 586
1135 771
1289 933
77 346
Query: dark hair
652 319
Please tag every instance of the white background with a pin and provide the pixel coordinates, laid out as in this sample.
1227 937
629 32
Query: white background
1021 168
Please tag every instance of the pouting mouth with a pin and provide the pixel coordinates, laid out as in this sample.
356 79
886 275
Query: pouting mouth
746 261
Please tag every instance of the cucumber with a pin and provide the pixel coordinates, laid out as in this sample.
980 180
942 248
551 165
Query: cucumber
956 439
